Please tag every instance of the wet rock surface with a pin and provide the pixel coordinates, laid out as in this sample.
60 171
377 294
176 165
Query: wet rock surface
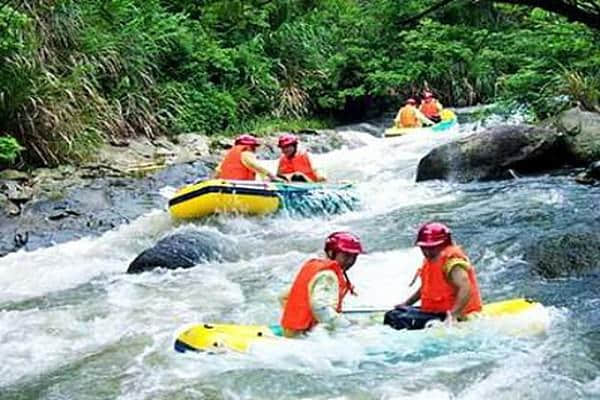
496 153
69 210
184 250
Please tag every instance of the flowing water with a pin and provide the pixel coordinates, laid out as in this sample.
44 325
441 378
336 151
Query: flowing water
73 325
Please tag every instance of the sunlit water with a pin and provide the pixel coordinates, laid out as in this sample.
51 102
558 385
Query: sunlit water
73 325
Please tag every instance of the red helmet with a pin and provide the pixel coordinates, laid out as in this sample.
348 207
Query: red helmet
343 241
433 234
427 95
411 101
287 140
247 140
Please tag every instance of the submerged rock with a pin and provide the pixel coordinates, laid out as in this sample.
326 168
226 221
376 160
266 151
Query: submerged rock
184 250
496 153
569 254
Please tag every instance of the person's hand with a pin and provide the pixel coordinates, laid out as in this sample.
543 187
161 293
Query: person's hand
450 319
400 306
275 178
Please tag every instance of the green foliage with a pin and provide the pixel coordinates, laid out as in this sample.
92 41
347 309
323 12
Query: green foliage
12 25
582 89
269 125
9 149
205 111
76 73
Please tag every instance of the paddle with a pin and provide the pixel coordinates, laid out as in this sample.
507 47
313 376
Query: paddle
365 310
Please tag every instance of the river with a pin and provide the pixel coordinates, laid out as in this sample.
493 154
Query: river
73 325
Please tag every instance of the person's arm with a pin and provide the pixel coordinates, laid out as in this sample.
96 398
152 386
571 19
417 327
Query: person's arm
324 298
218 169
397 119
283 298
459 278
439 105
421 117
416 296
249 160
320 176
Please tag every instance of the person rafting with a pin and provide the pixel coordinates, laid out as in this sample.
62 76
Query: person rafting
240 162
320 286
295 165
431 107
449 290
409 116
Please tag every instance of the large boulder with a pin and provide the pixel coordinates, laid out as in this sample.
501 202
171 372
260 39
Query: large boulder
496 153
583 134
184 250
569 254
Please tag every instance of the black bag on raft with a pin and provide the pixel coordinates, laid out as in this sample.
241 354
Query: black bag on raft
411 318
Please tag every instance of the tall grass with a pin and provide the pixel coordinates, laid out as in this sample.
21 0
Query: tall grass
86 74
585 90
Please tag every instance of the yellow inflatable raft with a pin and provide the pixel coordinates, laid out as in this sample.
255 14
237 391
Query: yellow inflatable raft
448 121
223 337
218 195
256 198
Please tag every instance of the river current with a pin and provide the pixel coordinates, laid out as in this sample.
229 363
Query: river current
73 325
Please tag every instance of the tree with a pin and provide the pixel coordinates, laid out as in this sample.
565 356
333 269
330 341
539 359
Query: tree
585 11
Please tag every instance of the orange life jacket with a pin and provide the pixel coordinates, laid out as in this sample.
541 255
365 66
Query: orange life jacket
437 293
297 314
232 166
408 117
298 163
430 109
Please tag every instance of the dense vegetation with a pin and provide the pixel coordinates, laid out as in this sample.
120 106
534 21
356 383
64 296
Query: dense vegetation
76 73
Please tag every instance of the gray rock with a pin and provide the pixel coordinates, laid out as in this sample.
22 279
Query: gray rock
184 250
13 175
569 254
7 207
198 144
583 134
16 192
496 153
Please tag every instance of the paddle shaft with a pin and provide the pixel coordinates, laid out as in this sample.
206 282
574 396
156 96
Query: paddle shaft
365 310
